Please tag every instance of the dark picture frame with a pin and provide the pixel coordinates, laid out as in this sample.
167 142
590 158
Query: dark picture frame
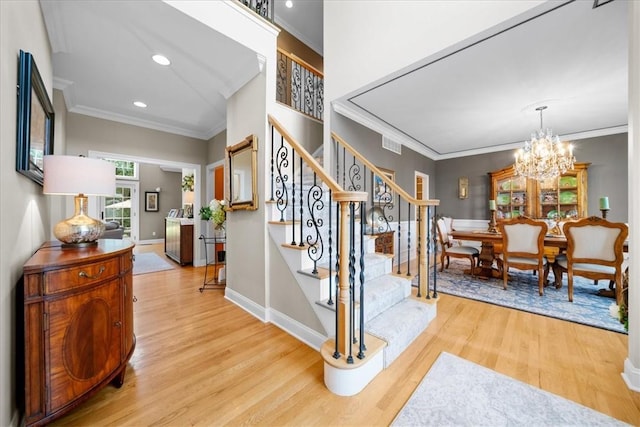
151 201
35 119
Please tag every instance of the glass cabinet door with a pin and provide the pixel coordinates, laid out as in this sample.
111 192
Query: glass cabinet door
559 197
511 197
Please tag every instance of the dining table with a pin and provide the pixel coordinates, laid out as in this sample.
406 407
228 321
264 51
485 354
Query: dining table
554 244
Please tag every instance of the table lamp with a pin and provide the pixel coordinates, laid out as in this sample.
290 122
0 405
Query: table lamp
79 176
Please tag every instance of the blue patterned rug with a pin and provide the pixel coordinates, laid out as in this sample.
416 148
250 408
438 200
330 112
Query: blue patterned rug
587 307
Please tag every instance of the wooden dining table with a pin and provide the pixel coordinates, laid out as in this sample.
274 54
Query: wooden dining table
558 243
553 243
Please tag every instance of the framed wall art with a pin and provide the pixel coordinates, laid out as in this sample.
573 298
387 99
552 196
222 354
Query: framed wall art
35 118
151 202
382 193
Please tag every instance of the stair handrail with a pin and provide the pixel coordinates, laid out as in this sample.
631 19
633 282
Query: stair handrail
422 205
308 158
391 184
305 64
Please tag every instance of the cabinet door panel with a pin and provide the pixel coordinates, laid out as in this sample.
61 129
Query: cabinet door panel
84 341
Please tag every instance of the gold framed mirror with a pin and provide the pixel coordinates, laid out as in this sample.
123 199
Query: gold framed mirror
243 174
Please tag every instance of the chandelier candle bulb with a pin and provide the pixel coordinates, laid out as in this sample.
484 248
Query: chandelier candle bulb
604 203
492 205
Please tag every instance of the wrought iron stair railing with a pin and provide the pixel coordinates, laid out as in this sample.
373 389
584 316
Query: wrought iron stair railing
393 209
317 206
329 222
299 85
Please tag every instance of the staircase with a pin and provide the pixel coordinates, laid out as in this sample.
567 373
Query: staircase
363 292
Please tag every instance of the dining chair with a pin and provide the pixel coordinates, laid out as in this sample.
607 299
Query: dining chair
594 250
451 249
523 248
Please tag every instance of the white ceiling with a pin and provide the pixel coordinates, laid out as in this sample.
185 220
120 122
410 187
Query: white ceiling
481 95
467 100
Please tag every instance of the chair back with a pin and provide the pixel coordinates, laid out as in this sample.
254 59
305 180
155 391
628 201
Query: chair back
523 237
595 240
443 232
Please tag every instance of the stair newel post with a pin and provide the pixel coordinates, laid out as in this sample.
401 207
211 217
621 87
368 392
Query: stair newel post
352 278
424 255
344 314
419 248
408 239
330 229
363 347
399 233
435 242
301 244
336 353
293 198
272 137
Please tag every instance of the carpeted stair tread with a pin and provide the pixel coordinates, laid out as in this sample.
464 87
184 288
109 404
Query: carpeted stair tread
400 325
383 292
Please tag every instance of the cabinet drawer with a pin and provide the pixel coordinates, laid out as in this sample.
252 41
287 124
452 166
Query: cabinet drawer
63 280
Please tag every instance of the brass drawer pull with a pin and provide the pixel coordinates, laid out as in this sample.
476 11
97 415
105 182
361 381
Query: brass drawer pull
84 274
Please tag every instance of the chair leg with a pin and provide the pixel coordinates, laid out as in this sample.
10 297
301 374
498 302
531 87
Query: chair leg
473 267
505 276
570 286
542 274
442 261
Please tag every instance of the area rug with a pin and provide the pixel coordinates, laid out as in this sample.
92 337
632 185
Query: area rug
457 392
149 262
587 308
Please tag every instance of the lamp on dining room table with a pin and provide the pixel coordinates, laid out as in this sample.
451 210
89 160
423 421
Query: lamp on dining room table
79 176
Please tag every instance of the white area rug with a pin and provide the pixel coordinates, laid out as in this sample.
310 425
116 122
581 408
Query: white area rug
150 262
456 392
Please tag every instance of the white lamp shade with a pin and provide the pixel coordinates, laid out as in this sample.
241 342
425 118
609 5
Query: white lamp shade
78 175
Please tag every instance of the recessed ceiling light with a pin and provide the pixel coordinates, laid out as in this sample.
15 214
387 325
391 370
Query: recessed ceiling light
161 59
289 4
140 104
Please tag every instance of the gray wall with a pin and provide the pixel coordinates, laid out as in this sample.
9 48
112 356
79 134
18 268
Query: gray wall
607 176
151 177
369 143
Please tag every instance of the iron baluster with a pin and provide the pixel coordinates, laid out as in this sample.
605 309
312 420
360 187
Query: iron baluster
344 166
354 176
293 197
301 205
363 347
399 233
272 137
352 276
282 178
315 204
435 270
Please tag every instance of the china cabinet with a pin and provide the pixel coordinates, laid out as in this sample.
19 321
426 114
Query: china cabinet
553 198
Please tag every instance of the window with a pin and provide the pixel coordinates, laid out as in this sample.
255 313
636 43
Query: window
125 169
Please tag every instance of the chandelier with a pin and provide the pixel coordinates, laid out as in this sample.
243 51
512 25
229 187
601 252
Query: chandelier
544 156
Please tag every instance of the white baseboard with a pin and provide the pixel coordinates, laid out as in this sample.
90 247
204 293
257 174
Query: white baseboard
149 242
631 375
246 304
312 338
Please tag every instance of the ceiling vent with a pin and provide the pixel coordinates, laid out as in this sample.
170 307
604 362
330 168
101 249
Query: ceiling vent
391 145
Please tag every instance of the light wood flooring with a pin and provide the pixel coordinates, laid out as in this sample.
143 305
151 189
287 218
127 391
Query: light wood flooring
201 360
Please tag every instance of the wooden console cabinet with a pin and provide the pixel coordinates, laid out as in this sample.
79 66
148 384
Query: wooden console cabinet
78 325
178 240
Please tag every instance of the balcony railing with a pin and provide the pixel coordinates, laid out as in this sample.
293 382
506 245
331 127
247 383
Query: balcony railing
264 8
299 85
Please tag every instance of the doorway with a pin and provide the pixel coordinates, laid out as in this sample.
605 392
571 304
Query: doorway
123 208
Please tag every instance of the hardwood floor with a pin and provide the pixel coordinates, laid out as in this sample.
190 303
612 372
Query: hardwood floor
201 360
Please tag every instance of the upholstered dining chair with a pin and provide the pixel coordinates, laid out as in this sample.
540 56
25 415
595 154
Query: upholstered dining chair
594 250
451 249
523 248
